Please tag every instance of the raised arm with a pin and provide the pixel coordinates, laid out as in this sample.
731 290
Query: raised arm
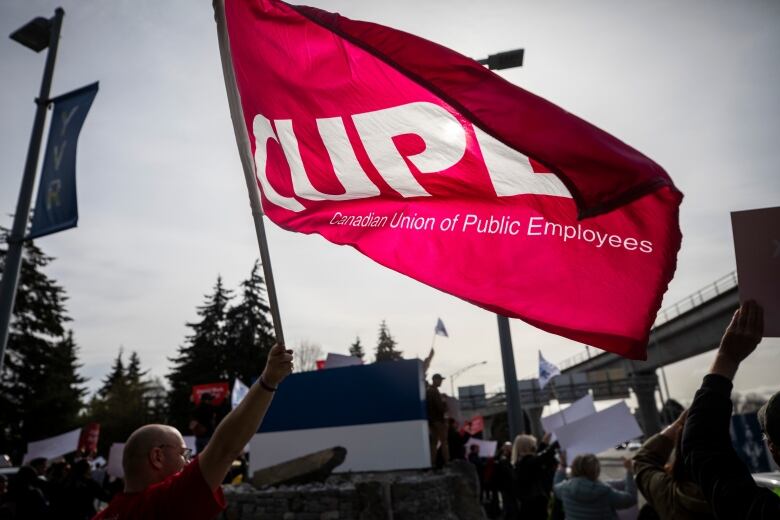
627 497
427 363
706 448
238 427
649 461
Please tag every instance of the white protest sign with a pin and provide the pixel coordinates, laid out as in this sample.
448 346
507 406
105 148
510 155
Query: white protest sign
599 431
486 448
189 441
575 411
53 446
114 467
340 360
757 248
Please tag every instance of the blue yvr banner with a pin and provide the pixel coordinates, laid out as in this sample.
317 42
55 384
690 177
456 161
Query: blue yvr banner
56 206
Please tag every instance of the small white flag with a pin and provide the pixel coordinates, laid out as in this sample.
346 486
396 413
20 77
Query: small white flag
440 330
239 392
546 371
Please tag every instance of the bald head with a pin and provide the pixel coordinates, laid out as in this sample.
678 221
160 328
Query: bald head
151 454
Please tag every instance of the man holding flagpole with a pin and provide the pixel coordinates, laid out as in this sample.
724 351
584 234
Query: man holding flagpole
161 478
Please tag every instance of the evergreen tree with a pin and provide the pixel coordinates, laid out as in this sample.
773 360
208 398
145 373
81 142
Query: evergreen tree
386 345
249 333
124 402
201 359
40 390
115 378
356 349
134 373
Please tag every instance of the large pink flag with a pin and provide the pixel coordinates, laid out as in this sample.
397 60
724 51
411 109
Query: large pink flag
435 167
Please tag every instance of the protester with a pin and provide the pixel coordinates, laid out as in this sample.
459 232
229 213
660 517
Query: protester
81 492
456 440
706 446
39 465
203 422
161 481
505 482
6 513
57 477
436 425
24 498
585 497
668 488
533 479
490 488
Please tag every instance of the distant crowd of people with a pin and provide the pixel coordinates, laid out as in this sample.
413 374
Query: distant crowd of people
689 471
68 489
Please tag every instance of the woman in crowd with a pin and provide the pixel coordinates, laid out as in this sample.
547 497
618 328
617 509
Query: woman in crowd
668 488
533 467
584 497
505 482
24 498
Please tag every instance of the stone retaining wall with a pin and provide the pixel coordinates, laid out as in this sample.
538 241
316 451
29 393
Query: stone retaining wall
398 495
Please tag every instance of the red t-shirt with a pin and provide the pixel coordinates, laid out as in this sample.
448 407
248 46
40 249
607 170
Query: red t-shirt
182 495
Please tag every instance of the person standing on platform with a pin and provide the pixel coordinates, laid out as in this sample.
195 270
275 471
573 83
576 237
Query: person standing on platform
437 424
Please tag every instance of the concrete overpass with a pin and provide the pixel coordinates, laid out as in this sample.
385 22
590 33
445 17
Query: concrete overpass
689 327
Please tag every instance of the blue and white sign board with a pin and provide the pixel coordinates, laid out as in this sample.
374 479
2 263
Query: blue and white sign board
377 412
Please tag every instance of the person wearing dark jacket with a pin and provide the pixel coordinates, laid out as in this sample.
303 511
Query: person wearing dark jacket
437 426
505 483
706 447
82 492
670 492
533 478
456 440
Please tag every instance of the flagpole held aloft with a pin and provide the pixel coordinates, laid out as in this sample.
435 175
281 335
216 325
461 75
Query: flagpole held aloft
245 154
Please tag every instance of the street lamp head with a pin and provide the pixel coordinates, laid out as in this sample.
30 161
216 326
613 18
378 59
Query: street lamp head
35 34
505 60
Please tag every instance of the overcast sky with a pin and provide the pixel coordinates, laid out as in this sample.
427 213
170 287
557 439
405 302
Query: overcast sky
163 205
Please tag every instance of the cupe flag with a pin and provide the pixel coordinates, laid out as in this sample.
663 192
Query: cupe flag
437 168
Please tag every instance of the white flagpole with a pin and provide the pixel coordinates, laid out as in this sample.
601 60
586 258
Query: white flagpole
245 153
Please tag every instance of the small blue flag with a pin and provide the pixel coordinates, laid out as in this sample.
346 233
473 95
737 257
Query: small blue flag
440 330
56 207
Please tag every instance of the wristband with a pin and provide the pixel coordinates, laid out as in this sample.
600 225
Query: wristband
265 386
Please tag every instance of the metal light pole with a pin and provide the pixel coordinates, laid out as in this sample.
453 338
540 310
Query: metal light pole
459 372
36 35
514 411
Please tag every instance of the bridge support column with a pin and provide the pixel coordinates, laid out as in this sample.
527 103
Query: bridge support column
535 419
644 387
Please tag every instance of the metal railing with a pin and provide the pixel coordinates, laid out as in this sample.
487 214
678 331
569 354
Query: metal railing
671 312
